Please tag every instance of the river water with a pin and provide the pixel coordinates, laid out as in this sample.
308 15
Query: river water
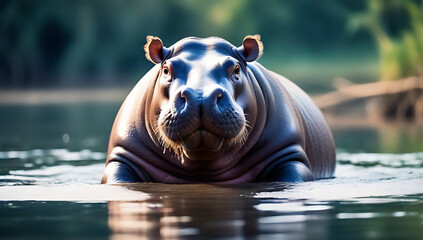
52 158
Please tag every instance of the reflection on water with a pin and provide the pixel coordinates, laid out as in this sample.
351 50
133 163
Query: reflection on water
58 154
190 211
203 211
193 210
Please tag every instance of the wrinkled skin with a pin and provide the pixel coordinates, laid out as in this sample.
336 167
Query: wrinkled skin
207 112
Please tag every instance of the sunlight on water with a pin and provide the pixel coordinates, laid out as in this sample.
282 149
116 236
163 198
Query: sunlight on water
53 154
382 159
51 166
362 175
357 175
290 207
365 215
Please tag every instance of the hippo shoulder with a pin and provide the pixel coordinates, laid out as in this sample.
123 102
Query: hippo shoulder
298 120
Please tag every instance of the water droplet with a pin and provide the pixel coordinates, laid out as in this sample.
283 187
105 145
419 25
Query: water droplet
66 138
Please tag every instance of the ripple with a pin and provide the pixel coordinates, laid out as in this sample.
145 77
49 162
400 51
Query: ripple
51 166
382 159
57 154
62 174
283 219
290 207
367 215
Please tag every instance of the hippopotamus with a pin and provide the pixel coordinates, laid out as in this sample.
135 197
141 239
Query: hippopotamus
208 112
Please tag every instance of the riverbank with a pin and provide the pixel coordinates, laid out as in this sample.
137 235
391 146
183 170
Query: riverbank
353 116
62 96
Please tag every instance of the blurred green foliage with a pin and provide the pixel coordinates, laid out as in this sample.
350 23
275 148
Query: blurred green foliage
400 51
99 43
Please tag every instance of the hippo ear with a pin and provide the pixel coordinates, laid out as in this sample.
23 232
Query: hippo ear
154 50
252 48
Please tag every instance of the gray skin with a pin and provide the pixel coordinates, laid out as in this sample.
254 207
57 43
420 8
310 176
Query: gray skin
208 113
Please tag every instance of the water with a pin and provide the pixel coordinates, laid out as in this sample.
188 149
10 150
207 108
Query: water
52 158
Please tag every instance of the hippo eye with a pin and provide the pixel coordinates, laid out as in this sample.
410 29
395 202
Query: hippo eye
237 71
166 71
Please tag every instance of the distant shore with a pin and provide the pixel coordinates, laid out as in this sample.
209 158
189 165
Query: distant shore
62 96
118 95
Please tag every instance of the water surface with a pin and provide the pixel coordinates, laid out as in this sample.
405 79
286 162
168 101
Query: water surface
52 158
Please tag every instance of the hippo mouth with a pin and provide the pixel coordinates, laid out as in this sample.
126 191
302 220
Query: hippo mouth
202 145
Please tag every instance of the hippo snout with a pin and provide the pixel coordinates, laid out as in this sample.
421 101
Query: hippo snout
216 110
202 118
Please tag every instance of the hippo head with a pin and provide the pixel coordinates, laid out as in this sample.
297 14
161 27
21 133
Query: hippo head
205 107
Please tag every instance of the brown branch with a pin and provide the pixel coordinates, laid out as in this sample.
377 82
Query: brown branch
367 90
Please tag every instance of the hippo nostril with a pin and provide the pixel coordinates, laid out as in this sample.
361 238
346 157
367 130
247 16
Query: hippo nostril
214 97
188 97
184 93
187 94
219 96
217 93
